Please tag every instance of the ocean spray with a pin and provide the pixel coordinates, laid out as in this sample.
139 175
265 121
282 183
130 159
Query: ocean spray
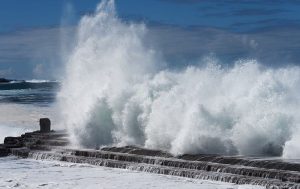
117 91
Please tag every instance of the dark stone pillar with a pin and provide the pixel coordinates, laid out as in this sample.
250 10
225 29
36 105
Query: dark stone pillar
45 125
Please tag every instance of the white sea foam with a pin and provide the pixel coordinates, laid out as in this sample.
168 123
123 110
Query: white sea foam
117 91
27 174
40 81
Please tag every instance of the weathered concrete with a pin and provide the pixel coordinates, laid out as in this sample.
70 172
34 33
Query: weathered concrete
235 169
33 141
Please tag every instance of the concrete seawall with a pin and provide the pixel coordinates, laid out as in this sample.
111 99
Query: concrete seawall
53 145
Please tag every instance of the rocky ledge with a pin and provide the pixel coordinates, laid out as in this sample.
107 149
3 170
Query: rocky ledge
30 141
44 139
53 145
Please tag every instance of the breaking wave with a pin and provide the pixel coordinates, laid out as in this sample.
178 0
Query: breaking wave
118 91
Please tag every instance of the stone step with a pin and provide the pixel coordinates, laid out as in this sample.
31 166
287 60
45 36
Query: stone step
282 175
271 173
245 161
137 151
163 169
53 142
231 160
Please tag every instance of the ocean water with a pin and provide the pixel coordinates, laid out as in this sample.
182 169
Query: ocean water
26 173
22 103
21 106
117 90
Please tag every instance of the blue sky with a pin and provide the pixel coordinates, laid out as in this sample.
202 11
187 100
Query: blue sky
29 30
230 14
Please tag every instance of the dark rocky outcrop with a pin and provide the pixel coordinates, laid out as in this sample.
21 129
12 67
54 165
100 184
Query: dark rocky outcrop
270 173
44 139
3 80
13 142
4 151
36 140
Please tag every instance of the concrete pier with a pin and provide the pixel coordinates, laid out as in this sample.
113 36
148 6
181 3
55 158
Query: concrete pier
53 145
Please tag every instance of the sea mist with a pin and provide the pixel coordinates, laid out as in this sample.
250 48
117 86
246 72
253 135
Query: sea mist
117 91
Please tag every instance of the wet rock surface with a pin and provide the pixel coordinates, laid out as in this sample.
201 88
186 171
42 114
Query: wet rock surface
33 141
270 173
4 151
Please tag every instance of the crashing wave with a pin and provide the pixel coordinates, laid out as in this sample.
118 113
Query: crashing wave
117 91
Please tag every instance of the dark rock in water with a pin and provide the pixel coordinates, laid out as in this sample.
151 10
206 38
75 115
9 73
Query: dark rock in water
13 142
44 139
20 152
21 146
3 80
45 125
4 151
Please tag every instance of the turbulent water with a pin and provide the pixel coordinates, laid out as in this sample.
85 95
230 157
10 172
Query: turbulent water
14 174
117 90
22 103
39 92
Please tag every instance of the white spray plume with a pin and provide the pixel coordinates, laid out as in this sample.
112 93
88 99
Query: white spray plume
116 92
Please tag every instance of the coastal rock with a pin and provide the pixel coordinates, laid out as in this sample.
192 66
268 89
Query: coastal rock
3 80
37 140
13 142
45 125
4 151
20 152
270 173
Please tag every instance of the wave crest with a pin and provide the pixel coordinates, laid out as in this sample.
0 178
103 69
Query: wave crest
116 91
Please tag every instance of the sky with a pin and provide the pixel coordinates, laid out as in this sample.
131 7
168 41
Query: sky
269 31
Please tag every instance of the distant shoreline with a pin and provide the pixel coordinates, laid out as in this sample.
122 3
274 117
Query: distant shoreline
3 80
